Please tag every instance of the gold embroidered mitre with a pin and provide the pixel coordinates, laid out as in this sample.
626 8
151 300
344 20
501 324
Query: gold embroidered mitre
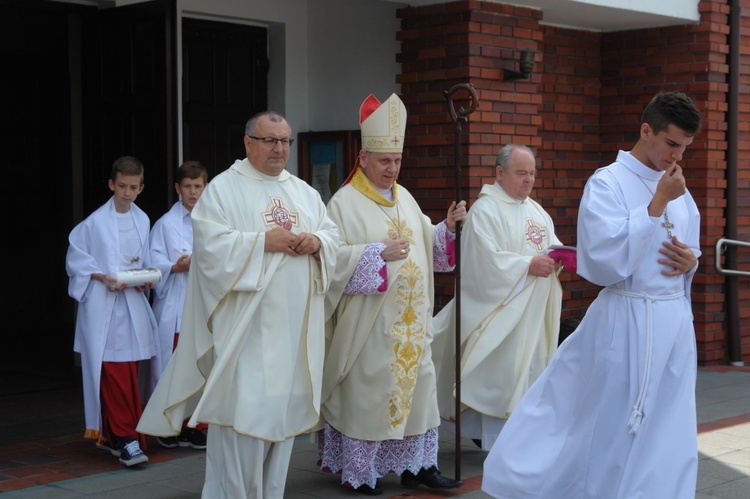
383 125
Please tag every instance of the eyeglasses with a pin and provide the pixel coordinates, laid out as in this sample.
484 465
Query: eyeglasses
271 141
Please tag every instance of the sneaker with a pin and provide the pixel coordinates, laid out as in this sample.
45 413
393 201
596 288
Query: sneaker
190 437
168 442
131 454
104 445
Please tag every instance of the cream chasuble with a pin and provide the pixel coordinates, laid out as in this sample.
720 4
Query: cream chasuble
252 340
379 380
509 320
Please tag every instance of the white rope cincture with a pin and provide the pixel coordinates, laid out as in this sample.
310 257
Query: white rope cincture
636 416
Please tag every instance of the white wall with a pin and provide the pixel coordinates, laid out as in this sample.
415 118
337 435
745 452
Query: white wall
352 53
326 56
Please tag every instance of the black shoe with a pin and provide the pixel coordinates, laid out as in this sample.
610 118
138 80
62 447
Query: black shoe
477 442
430 477
167 442
190 437
369 491
104 445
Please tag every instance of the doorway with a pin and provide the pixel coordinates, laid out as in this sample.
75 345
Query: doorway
224 74
36 123
82 87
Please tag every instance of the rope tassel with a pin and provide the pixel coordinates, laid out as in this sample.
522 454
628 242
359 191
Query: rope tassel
635 420
636 416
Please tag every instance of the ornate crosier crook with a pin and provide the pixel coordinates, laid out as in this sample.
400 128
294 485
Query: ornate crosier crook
459 118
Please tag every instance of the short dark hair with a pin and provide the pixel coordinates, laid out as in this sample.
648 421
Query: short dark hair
127 165
191 169
672 108
272 116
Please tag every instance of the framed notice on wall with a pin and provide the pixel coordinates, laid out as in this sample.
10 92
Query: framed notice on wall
327 158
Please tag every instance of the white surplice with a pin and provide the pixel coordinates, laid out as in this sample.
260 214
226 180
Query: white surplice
169 241
251 347
509 320
95 249
613 416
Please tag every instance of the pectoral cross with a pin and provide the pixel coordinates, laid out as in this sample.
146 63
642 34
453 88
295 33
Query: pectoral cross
667 225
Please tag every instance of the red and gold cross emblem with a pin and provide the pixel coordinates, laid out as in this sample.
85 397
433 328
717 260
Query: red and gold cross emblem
535 234
278 214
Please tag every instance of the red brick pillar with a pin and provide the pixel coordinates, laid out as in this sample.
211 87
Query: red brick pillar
463 42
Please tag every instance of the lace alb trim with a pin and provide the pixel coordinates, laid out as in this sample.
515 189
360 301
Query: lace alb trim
362 462
367 278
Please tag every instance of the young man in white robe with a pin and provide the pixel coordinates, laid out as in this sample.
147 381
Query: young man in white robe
171 241
249 361
613 416
510 302
115 327
379 398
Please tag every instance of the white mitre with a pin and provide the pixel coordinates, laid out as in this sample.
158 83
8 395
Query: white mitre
383 125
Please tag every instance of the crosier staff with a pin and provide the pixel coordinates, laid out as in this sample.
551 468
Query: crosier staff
459 117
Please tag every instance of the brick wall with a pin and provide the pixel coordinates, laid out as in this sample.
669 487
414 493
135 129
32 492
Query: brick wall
636 65
571 146
581 105
463 42
716 12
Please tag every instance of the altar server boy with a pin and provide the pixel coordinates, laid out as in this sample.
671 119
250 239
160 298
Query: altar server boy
115 327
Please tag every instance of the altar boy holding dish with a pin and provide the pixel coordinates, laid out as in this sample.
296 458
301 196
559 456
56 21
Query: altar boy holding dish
115 327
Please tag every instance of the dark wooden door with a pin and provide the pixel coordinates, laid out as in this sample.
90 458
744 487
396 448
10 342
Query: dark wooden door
130 89
35 158
224 69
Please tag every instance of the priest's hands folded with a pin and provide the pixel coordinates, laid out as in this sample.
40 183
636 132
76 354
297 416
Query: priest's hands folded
306 244
281 240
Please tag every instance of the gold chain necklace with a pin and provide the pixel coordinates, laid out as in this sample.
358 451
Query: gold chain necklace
666 223
395 223
398 227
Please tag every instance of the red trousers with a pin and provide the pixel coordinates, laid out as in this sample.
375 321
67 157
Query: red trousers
121 402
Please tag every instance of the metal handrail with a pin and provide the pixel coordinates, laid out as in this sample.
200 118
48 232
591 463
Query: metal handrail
720 244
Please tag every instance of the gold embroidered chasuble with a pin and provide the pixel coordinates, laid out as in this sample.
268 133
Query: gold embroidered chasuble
378 379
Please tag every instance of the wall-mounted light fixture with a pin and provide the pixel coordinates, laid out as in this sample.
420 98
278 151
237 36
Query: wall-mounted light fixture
525 64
